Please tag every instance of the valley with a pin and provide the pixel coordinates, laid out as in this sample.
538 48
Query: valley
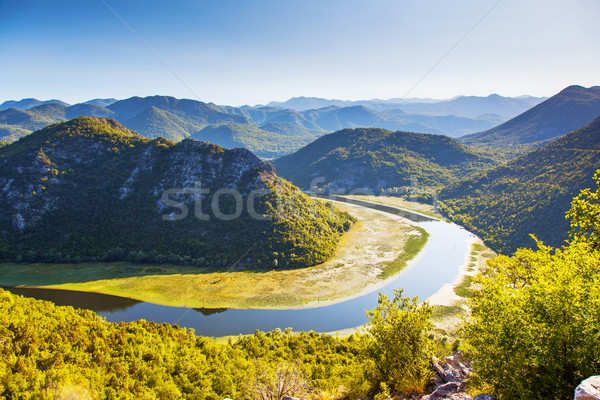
258 254
374 250
371 259
299 200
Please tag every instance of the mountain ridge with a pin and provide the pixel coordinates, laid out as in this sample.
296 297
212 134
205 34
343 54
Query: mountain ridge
568 110
527 195
93 190
374 159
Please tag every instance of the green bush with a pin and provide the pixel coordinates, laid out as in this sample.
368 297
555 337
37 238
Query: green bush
534 329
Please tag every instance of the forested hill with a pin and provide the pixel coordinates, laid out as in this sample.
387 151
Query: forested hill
571 109
377 158
90 189
527 195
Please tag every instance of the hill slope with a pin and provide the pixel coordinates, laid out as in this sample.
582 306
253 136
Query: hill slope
376 158
527 195
16 123
264 143
571 109
91 189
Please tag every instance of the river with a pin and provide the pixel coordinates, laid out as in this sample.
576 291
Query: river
438 263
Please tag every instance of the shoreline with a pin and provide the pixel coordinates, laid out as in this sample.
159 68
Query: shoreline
438 297
445 295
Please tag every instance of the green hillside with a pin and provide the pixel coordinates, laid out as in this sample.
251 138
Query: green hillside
527 195
376 158
263 143
571 109
154 122
89 189
15 123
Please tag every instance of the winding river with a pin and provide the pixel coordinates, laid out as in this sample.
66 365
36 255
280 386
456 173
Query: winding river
438 264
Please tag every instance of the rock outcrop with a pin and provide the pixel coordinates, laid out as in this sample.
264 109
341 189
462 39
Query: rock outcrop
450 378
588 389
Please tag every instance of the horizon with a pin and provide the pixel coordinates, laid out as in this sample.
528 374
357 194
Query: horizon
408 99
241 53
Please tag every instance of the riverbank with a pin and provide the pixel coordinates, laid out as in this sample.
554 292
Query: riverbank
374 251
450 301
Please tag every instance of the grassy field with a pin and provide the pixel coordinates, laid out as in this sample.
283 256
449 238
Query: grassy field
377 247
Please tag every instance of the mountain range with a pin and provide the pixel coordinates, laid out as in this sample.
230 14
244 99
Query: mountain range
570 109
462 106
528 195
269 132
374 159
90 189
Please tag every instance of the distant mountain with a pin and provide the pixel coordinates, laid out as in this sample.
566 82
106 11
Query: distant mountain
276 139
26 104
191 112
153 122
530 194
476 106
89 110
378 158
571 109
309 103
335 118
462 106
15 123
101 102
271 132
90 189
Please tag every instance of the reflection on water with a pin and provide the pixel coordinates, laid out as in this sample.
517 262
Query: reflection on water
438 264
210 311
92 301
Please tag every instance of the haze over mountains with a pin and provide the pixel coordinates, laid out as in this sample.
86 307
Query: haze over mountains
462 106
268 131
570 109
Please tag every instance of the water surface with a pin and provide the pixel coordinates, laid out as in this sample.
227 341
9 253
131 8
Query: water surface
437 264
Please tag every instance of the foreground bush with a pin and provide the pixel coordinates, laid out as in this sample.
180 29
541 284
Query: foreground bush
535 324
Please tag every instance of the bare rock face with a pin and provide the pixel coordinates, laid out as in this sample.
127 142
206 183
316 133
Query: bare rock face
450 377
452 369
588 389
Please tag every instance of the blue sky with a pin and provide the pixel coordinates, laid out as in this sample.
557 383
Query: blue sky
249 52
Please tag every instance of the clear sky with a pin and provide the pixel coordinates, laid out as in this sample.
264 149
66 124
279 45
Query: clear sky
247 52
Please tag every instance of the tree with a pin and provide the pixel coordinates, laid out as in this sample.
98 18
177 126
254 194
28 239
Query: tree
534 328
277 381
585 216
400 347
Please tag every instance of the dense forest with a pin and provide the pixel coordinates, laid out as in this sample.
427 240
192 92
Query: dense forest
95 191
528 195
373 158
56 352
